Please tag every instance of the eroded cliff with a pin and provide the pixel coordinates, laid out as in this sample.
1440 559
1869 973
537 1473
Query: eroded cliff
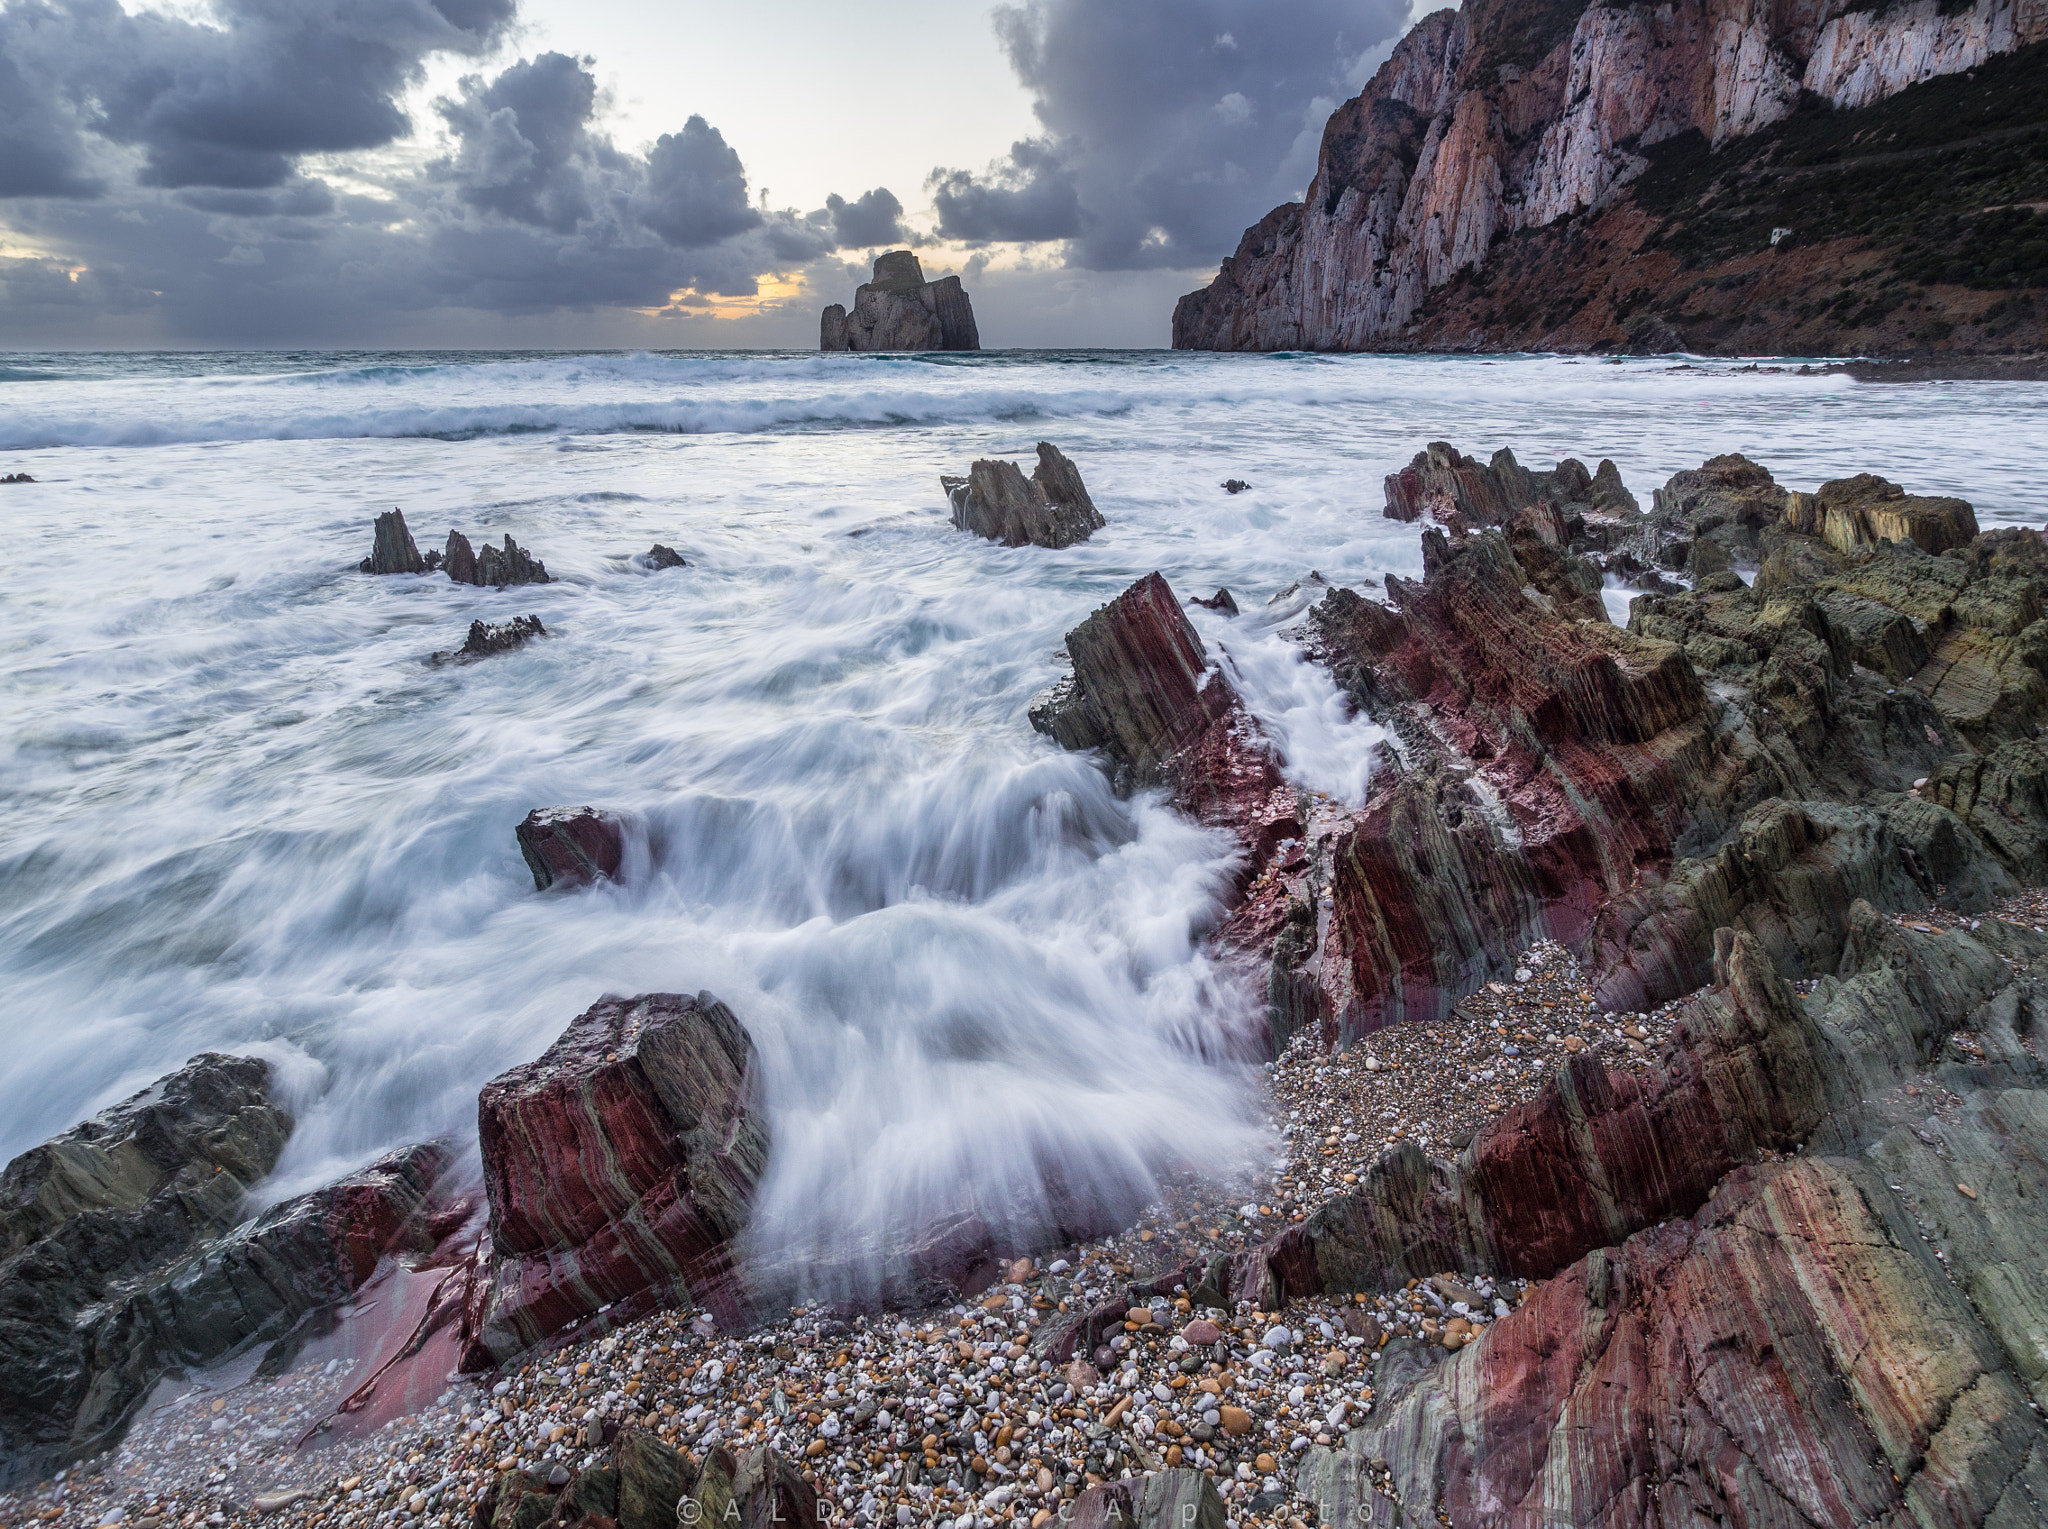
1553 160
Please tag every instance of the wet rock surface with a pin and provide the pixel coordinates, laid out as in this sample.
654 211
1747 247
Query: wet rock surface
1051 508
571 846
618 1167
659 557
127 1256
488 637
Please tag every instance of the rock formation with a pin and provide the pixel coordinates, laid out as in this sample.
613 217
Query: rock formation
488 637
1860 724
393 551
1834 1335
494 567
647 1485
16 478
900 310
124 1255
659 557
1559 178
571 846
1051 508
619 1166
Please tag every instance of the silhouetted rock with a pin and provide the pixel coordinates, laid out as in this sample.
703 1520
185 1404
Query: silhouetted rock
900 310
571 846
393 550
1049 509
1235 485
659 557
619 1166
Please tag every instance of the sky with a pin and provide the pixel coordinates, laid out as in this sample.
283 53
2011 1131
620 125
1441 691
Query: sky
594 173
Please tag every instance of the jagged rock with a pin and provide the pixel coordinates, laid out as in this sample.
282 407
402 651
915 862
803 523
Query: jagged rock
659 557
16 478
123 1260
486 638
757 1489
571 846
1050 509
459 559
393 551
1841 1337
1220 601
618 1167
509 564
900 310
1494 119
1235 485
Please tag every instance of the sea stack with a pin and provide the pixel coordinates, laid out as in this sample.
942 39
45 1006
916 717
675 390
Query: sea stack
900 310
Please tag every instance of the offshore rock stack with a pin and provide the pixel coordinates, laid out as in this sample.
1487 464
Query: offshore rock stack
900 310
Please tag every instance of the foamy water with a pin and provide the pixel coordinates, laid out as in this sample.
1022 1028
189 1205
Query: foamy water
239 812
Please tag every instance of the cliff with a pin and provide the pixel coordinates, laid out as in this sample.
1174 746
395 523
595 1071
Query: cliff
900 310
1706 175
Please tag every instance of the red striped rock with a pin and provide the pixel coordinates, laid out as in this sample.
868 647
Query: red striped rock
619 1165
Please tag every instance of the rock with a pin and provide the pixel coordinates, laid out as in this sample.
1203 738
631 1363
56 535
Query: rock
123 1259
1865 510
1235 485
756 1490
16 478
393 550
502 637
458 559
618 1167
1050 509
651 1481
1176 1498
900 310
1236 1421
659 557
1201 1332
510 564
1487 123
571 846
1220 601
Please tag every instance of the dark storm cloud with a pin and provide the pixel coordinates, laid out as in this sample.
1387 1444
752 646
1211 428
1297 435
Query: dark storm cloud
875 217
1169 124
164 164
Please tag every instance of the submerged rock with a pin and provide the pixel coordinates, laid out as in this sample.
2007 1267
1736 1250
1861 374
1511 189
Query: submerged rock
393 550
124 1259
900 310
1222 601
659 557
1235 485
16 478
619 1166
571 846
1049 509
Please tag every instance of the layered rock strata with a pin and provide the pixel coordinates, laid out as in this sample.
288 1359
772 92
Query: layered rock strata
1051 508
571 846
1495 124
900 310
126 1255
618 1166
1826 1338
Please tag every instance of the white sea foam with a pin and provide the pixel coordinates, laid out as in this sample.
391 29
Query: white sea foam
237 810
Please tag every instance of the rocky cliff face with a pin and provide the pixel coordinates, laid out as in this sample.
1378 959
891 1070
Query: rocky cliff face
900 310
1496 121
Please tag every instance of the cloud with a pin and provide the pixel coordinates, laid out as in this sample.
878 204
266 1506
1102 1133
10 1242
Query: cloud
875 218
1169 125
188 178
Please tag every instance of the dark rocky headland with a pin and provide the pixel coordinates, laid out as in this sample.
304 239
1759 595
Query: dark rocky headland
1835 179
1658 1047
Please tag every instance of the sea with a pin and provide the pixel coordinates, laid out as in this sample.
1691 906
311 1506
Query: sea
241 810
